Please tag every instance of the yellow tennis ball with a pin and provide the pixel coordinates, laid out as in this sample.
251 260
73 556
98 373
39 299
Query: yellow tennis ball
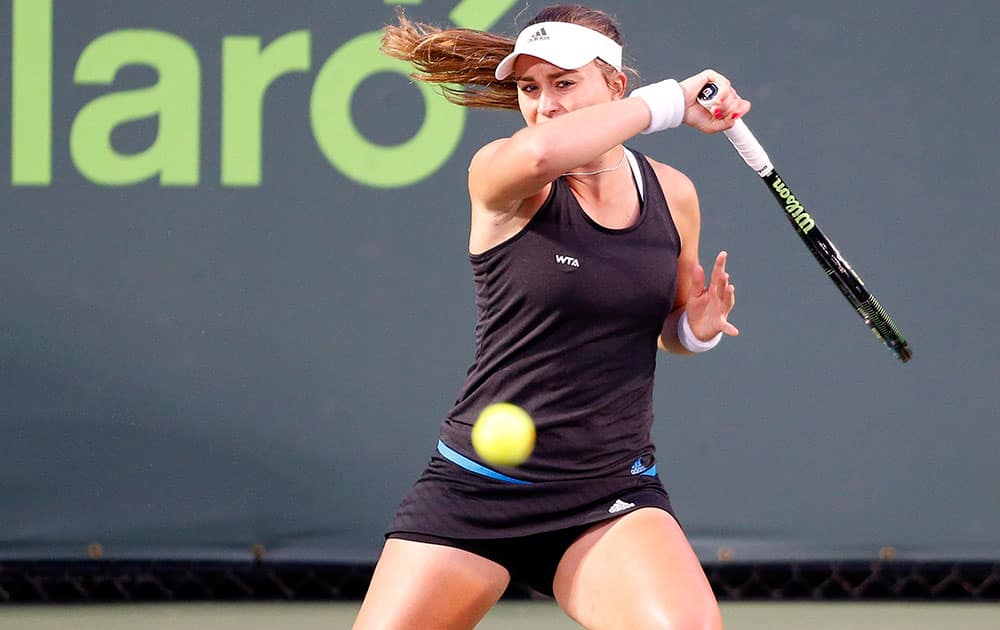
504 434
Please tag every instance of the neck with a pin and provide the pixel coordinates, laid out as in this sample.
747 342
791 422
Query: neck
608 163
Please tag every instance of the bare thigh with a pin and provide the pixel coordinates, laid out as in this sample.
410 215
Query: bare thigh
421 585
637 571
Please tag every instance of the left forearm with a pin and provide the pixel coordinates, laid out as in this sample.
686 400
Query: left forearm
668 339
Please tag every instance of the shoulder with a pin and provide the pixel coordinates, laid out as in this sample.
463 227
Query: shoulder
682 199
487 151
482 182
480 170
677 187
493 224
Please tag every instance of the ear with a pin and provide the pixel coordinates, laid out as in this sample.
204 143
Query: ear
618 85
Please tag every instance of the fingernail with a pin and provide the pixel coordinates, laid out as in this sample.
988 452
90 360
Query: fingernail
717 113
735 116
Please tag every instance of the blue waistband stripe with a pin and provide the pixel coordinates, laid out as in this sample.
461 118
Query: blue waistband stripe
461 460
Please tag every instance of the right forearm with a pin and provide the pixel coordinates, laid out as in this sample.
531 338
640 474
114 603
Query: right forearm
579 137
510 170
522 165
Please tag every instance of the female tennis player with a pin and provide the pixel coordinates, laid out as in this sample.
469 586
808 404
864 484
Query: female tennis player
585 260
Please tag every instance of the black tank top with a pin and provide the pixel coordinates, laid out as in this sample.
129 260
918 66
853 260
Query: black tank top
569 313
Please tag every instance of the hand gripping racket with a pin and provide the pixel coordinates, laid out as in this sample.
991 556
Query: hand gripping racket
822 248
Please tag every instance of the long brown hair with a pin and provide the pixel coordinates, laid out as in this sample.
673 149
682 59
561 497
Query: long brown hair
462 61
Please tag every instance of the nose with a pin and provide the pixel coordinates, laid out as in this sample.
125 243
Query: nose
548 104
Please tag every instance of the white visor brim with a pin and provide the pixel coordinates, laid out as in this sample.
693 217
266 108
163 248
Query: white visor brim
568 46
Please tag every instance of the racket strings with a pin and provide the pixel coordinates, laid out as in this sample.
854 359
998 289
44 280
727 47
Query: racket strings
883 327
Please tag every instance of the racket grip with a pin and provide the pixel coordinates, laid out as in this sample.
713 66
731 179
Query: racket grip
740 136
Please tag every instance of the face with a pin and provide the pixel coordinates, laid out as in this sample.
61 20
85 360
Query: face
545 91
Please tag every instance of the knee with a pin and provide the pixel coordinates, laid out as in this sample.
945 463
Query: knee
659 617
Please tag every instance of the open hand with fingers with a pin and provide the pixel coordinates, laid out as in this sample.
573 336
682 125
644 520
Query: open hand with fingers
708 308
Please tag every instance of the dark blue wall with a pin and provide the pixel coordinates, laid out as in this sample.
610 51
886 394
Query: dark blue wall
187 370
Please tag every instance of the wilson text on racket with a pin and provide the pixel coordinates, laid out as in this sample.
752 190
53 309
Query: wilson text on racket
793 206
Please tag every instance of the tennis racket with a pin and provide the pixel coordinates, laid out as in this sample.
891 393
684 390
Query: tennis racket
822 248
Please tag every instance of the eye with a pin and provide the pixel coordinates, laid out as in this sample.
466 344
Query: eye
565 83
528 88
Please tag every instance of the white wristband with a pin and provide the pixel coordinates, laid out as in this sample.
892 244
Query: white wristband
665 101
686 336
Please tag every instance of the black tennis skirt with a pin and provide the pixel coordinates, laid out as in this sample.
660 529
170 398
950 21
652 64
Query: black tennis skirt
524 526
458 498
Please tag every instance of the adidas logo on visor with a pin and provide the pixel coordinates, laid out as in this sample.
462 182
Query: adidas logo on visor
539 35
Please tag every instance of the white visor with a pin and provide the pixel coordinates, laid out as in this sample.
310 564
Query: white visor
569 46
